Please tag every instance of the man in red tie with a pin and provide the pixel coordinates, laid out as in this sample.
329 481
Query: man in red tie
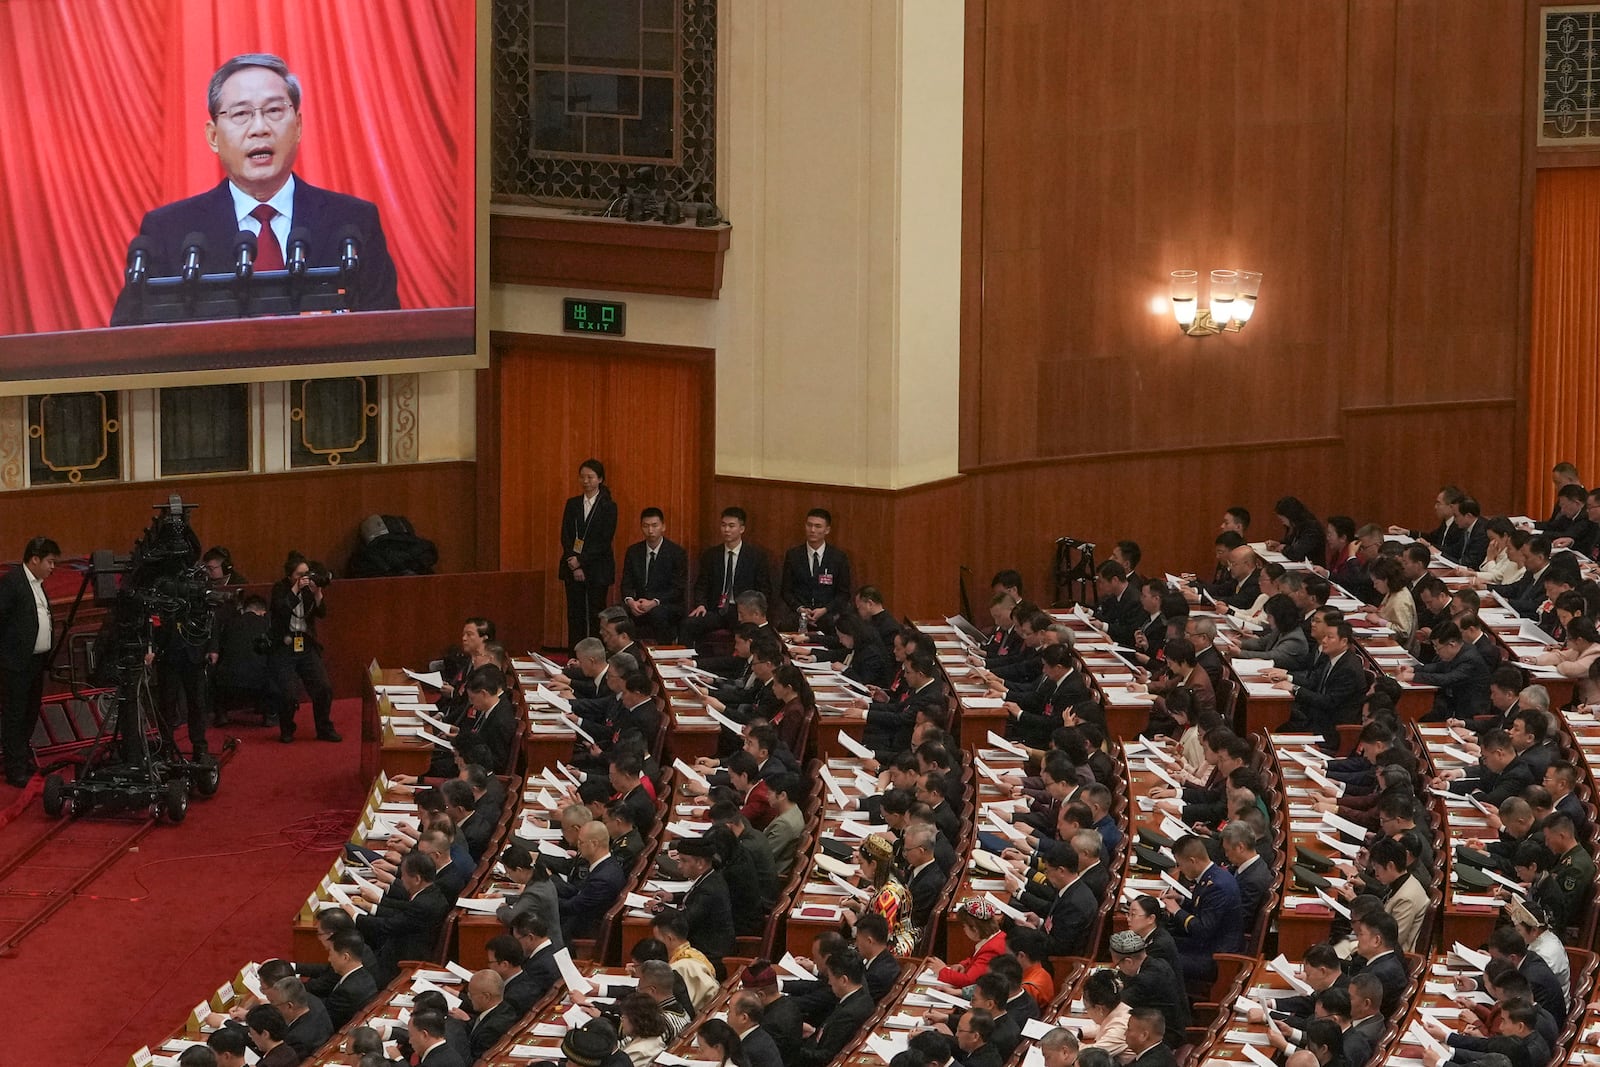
256 119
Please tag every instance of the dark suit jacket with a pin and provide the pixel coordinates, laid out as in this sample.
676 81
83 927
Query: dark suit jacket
760 1049
539 972
1245 594
644 809
1329 696
19 620
782 1021
311 1031
585 904
1157 986
871 664
831 587
487 1029
751 572
599 556
1361 1040
1463 685
350 996
890 724
708 909
320 212
1253 885
1473 551
842 1026
669 576
925 887
985 1055
1071 913
404 929
1390 970
1548 991
442 1055
1157 1055
1121 616
882 973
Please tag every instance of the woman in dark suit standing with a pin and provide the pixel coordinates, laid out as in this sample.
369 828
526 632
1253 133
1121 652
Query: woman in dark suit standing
588 563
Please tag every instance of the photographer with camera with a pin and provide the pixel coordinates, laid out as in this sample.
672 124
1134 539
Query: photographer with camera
296 605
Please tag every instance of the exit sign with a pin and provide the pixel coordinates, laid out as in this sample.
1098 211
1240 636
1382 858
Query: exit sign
594 316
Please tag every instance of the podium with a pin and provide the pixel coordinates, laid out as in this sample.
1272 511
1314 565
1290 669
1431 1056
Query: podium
227 344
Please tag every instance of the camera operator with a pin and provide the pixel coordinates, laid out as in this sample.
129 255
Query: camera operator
296 653
181 674
24 652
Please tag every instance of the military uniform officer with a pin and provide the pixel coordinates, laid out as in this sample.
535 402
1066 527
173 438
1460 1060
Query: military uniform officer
1567 887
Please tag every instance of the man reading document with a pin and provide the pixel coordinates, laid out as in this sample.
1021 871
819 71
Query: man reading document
255 125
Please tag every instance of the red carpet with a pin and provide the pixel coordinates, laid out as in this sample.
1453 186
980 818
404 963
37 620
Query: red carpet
122 964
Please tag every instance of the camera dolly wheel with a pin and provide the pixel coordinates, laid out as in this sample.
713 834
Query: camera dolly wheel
55 801
205 775
175 800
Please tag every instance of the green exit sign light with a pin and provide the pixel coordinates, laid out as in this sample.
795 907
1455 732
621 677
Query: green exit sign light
594 316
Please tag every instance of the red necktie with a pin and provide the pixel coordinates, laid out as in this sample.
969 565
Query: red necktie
269 253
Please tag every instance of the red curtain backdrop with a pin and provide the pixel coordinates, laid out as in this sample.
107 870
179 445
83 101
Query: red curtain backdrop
102 104
1564 358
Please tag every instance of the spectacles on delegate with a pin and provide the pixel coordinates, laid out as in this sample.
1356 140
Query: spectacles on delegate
240 117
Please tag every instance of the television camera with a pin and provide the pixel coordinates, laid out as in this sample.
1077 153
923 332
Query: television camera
154 596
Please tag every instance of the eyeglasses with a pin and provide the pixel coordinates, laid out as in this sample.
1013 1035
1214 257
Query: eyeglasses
240 117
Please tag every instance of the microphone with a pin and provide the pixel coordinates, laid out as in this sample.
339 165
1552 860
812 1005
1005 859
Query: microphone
349 242
140 251
244 254
194 250
299 250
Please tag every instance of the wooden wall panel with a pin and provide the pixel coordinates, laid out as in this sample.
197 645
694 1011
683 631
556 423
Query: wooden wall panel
645 411
1367 155
1472 445
908 543
863 521
410 621
1460 108
260 517
1170 502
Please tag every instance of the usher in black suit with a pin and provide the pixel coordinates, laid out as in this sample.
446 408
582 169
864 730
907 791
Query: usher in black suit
714 592
321 213
597 559
21 673
666 578
828 588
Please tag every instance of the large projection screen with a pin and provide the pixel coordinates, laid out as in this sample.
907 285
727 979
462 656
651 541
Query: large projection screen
133 148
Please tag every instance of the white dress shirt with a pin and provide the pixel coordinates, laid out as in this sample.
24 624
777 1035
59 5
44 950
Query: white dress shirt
282 202
41 641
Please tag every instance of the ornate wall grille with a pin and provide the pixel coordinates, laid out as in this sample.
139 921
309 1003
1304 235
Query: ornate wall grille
1570 97
587 91
74 437
334 421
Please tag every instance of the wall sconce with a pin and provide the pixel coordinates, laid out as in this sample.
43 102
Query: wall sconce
1232 301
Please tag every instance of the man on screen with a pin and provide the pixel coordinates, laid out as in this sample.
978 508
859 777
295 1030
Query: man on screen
254 103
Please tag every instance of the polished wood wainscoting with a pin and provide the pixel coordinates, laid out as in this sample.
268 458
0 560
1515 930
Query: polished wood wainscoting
260 517
411 621
1346 151
548 403
907 542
